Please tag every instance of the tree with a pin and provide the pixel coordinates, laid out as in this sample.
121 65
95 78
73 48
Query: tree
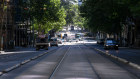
77 19
72 13
134 6
69 12
105 15
47 14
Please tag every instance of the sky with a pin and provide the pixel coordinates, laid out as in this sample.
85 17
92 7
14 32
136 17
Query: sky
76 2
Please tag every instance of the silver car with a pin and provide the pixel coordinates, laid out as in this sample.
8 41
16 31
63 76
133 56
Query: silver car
53 42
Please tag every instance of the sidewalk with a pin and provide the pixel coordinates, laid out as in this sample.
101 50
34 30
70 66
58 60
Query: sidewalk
17 49
21 49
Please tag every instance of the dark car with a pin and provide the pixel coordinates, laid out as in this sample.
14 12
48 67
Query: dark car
72 27
74 40
110 43
42 43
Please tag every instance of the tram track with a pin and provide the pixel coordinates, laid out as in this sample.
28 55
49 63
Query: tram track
62 60
71 62
86 56
59 63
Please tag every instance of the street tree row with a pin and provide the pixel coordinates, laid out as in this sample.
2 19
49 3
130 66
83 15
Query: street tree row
72 13
51 14
109 15
44 14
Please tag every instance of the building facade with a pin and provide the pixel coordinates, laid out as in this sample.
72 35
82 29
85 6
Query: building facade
6 24
14 29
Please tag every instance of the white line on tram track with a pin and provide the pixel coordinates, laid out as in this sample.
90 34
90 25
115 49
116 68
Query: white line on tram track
58 65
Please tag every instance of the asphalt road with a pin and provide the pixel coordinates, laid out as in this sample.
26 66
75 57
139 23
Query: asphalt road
73 61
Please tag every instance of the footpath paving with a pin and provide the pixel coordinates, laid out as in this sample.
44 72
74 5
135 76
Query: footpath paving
17 49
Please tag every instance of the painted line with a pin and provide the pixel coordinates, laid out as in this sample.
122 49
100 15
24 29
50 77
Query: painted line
113 56
59 63
34 58
134 65
123 60
1 73
26 61
11 68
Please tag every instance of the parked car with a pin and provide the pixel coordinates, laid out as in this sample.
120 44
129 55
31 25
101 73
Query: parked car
74 40
110 43
59 41
42 43
53 42
72 27
100 41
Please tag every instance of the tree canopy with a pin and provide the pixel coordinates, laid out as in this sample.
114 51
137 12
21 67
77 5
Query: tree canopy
46 14
52 14
108 15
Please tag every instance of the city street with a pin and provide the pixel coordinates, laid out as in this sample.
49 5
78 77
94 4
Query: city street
69 39
71 61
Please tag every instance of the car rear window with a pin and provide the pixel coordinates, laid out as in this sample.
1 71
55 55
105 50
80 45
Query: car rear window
111 41
53 39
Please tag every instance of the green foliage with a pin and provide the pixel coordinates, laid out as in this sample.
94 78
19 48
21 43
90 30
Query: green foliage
5 8
47 14
107 15
78 20
72 13
135 7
